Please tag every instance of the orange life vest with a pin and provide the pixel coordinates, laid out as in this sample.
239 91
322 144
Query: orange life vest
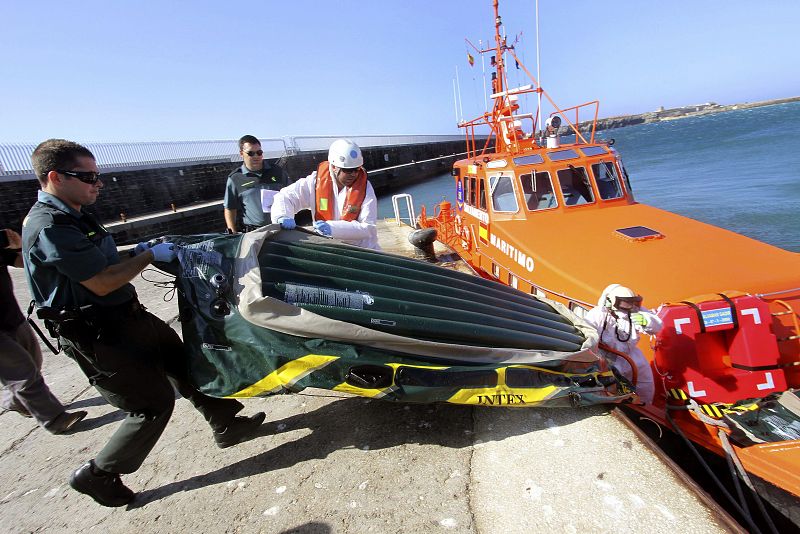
325 197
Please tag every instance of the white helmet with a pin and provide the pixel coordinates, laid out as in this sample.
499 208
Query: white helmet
620 298
345 154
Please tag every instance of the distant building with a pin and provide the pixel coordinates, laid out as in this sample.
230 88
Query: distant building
660 109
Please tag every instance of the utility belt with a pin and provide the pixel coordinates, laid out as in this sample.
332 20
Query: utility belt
80 324
249 228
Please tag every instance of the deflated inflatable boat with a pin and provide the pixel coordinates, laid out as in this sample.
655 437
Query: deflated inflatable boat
273 311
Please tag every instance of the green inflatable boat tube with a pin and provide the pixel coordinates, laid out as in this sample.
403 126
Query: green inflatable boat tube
273 311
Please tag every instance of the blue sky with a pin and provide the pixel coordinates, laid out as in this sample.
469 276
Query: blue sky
181 70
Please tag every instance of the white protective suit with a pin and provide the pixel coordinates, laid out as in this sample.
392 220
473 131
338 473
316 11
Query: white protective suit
616 333
301 195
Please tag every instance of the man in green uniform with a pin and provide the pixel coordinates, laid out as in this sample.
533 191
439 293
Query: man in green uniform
251 187
83 290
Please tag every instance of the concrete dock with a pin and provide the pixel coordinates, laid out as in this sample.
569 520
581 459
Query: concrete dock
324 462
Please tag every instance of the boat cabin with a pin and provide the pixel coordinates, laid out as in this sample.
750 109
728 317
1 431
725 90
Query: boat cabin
505 186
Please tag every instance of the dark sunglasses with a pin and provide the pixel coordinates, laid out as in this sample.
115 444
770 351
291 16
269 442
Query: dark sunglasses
252 153
87 177
350 171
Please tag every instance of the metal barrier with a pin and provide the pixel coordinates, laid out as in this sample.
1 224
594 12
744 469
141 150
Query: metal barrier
15 158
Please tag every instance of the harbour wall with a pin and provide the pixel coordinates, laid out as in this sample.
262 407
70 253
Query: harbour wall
145 201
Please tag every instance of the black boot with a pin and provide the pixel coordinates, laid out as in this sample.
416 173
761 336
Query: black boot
239 430
102 486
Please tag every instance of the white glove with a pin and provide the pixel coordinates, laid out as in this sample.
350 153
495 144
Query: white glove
164 252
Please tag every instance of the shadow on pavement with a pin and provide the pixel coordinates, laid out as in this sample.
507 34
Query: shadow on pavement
97 422
313 527
358 423
84 403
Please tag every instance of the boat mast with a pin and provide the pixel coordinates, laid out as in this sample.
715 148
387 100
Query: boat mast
538 73
497 83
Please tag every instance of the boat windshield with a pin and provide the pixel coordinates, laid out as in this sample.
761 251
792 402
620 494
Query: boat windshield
502 191
605 176
575 187
537 188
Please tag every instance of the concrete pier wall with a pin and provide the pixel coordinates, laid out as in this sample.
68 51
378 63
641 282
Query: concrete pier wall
186 198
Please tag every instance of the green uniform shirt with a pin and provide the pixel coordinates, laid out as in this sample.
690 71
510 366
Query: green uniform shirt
243 191
63 247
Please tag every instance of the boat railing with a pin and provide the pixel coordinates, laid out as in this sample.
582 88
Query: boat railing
574 125
472 139
786 309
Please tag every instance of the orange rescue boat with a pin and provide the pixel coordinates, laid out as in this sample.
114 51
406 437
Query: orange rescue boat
559 220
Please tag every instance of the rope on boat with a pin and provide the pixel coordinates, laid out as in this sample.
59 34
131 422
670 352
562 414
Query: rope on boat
739 505
733 459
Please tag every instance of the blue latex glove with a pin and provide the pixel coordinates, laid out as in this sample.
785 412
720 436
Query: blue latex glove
287 223
164 252
323 227
639 319
141 247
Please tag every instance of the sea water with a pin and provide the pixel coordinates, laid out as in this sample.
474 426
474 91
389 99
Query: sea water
739 170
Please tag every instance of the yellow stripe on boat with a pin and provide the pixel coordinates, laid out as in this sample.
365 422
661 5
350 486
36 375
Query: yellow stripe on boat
501 394
344 387
378 393
286 375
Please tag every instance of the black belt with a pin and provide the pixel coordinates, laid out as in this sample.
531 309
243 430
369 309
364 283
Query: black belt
125 309
54 319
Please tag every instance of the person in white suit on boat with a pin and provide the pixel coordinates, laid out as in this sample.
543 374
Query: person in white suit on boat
619 318
338 194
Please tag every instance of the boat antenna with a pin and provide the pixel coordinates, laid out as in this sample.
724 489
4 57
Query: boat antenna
455 101
538 74
483 70
460 108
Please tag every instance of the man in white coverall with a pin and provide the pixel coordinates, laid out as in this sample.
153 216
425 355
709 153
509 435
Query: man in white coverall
620 318
339 196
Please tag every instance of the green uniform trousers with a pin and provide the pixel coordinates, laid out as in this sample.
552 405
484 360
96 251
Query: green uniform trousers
134 359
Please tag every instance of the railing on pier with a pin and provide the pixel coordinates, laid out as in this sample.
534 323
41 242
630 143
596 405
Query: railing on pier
15 157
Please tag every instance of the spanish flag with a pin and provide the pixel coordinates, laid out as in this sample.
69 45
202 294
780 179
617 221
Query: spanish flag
470 59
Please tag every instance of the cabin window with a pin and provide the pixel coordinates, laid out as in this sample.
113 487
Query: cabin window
575 187
561 155
502 191
512 281
532 159
472 189
496 270
538 191
538 292
605 176
593 150
625 176
482 194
